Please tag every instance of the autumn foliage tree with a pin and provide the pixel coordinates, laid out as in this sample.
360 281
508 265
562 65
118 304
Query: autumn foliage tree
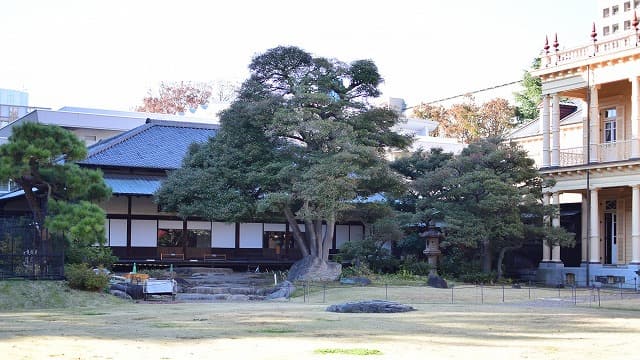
176 97
468 121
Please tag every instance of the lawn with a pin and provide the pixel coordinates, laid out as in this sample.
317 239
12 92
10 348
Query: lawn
297 330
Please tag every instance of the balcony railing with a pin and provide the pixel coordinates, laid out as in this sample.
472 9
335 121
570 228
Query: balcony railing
560 57
606 152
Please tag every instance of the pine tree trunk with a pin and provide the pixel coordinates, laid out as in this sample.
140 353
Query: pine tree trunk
486 257
298 236
503 251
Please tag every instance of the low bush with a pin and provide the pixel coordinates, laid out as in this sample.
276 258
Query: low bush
81 277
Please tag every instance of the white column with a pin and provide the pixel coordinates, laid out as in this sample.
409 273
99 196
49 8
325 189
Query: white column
555 131
555 222
635 224
546 143
594 226
583 231
546 250
635 117
594 114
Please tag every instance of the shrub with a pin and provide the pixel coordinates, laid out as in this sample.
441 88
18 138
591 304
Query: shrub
479 277
81 277
416 267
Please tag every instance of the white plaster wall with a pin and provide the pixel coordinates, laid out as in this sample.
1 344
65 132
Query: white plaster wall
199 225
342 235
144 233
116 205
251 236
356 232
223 235
117 232
170 224
143 206
275 227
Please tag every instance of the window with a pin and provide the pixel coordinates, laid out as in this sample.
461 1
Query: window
627 6
199 238
170 237
636 4
605 31
614 10
605 12
627 25
614 28
610 125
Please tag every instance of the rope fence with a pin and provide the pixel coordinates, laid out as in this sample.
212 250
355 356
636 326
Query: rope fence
323 293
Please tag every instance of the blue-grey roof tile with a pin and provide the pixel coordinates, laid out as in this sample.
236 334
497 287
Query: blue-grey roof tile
155 145
138 185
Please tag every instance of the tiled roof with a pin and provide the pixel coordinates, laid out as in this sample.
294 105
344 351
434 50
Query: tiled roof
533 127
155 145
133 185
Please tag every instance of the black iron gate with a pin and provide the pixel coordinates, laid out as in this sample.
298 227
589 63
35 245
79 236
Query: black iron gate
24 255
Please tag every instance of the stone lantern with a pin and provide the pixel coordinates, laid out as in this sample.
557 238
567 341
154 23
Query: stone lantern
432 249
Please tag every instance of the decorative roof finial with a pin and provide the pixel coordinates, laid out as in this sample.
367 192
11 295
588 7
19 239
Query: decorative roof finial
594 34
546 44
635 24
555 43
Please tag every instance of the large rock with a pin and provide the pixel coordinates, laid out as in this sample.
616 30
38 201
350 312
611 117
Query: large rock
312 268
371 306
284 291
437 282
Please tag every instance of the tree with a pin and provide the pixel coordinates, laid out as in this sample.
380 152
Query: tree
489 197
39 158
469 122
432 112
528 99
177 97
301 141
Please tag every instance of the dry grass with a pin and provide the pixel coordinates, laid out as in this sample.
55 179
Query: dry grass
296 330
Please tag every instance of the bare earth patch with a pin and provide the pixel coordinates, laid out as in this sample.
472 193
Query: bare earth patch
296 330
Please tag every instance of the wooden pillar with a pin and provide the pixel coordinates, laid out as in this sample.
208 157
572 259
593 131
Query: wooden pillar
594 114
635 117
584 237
555 131
555 222
594 225
546 142
546 250
635 224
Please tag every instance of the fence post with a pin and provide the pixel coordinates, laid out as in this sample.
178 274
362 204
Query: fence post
386 291
598 297
324 293
451 294
481 294
304 292
529 290
502 292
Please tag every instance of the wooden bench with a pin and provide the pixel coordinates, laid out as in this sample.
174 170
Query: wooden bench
215 257
171 256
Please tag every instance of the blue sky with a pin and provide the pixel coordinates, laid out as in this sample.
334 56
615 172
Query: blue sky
107 54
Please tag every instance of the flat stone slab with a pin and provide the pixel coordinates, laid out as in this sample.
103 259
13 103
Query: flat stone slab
370 306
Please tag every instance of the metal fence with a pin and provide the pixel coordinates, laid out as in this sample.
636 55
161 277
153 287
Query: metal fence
23 255
529 294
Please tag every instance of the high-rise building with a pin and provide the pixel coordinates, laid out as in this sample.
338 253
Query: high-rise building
616 16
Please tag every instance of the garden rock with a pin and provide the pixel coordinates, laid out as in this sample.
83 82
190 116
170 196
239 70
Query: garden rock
312 268
437 282
355 281
370 306
284 291
121 294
